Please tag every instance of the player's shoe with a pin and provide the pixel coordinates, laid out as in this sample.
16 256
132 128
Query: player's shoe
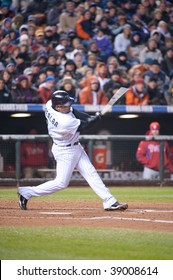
117 206
22 202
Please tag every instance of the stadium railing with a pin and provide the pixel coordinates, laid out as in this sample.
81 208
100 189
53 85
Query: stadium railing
114 156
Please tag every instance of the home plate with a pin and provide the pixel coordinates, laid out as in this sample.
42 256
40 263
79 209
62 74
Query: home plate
56 213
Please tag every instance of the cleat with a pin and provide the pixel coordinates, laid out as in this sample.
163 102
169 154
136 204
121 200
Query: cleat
117 206
22 202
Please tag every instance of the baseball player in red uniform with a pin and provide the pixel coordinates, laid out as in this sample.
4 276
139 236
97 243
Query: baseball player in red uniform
148 154
64 127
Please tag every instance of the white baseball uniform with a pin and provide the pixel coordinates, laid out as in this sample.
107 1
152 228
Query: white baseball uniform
69 154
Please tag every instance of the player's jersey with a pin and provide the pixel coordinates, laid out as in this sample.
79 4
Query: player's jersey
148 153
62 128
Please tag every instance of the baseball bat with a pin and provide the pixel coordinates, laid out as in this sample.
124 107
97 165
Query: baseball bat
113 100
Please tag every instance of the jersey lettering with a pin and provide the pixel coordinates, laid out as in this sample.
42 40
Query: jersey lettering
51 118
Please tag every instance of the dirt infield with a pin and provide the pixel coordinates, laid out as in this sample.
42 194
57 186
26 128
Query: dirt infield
146 216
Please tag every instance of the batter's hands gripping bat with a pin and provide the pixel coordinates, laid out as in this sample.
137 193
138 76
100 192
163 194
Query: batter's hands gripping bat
113 100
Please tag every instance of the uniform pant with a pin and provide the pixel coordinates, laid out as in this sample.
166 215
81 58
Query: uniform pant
68 158
150 174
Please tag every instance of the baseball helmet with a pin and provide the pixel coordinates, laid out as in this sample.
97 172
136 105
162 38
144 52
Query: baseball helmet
62 98
154 126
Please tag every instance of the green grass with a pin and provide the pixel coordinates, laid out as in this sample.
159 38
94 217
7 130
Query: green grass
148 194
62 243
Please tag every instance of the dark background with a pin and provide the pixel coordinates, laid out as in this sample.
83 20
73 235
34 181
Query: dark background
111 122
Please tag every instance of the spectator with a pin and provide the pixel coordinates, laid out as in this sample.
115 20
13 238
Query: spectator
123 62
8 79
84 27
42 60
122 40
93 49
136 46
64 41
38 43
34 155
69 86
136 74
24 93
104 44
163 28
87 73
6 25
171 24
79 61
92 94
112 64
115 79
155 96
167 44
68 18
17 21
167 62
41 78
51 61
61 57
45 90
104 26
35 71
4 55
71 67
156 16
49 36
5 96
28 72
5 11
113 90
54 13
143 13
95 11
148 154
21 63
142 67
161 78
101 72
151 51
137 94
37 8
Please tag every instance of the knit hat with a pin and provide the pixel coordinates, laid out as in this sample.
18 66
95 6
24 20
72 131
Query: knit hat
22 78
50 78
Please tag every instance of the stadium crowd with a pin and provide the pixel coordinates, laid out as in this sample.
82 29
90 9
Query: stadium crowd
88 48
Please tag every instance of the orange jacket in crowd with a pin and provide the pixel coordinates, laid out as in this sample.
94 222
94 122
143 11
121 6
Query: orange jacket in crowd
86 97
135 98
80 31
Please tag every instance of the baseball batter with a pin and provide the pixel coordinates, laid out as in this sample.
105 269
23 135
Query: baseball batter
148 154
64 127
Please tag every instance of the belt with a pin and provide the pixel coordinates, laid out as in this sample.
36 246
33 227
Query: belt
74 144
69 145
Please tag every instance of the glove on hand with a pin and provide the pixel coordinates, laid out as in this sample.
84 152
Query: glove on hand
94 119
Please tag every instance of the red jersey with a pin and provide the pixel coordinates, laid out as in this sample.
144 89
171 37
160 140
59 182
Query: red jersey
34 154
148 154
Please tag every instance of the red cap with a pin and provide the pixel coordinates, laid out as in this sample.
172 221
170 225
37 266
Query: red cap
139 81
154 126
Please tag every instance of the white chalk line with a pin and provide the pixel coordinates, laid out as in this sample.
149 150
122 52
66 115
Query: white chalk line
56 213
115 218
